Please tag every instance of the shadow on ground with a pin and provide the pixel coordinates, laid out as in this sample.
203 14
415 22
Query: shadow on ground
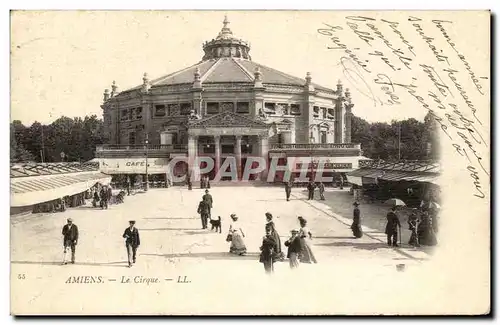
110 264
362 246
210 256
173 218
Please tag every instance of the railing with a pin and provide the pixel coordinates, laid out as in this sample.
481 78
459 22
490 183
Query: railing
313 146
142 147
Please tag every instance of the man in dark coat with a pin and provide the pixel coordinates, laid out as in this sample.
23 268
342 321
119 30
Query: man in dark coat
267 250
321 188
132 242
391 229
288 189
208 198
104 198
310 189
70 239
109 194
204 211
294 249
357 231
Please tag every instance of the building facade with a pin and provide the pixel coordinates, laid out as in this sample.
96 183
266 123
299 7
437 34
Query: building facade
227 105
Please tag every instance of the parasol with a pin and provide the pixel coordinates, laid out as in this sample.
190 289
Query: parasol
434 205
395 202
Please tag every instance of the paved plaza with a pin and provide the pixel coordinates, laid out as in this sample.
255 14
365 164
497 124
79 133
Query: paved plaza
173 247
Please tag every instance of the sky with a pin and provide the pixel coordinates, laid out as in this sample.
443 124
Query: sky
61 61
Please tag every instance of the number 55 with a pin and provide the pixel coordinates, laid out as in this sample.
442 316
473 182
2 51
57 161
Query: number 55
21 276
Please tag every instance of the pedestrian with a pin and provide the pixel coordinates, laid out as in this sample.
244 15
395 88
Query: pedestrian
310 189
132 242
356 222
391 228
104 200
128 186
109 194
413 223
70 240
188 181
267 252
235 236
279 255
288 189
321 188
210 201
426 234
203 211
307 255
96 199
202 182
294 249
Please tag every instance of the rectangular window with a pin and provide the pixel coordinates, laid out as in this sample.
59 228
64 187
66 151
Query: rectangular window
185 108
315 111
270 108
323 112
212 108
131 114
124 114
294 109
227 148
138 112
160 110
131 138
243 107
331 114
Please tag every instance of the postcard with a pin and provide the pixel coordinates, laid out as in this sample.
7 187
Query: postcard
250 163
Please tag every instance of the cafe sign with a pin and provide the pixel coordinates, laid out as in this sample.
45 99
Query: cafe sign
324 166
133 165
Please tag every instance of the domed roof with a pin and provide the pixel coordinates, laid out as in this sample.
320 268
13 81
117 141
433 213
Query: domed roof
227 60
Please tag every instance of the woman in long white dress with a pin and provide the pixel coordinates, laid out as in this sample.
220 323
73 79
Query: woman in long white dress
237 235
307 255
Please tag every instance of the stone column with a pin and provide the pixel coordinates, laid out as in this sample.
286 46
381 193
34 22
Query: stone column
238 156
217 153
264 153
192 152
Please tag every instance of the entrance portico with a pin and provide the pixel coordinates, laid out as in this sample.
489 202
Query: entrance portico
227 135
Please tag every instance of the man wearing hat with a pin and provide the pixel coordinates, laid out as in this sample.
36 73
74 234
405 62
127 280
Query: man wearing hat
70 239
208 199
294 249
357 231
132 241
391 228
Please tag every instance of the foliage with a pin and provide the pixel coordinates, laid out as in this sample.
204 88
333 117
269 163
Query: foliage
408 139
76 137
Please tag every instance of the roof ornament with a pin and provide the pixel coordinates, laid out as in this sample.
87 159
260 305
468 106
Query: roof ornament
106 95
197 78
339 87
308 78
225 31
114 89
258 78
146 85
309 86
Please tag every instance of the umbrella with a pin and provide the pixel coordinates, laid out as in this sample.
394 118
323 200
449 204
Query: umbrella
434 205
395 202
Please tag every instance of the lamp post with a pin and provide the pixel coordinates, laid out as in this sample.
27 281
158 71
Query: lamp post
146 188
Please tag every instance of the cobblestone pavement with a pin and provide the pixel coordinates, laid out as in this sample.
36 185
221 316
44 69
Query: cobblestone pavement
173 247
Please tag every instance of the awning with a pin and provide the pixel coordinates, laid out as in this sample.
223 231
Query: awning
25 191
394 175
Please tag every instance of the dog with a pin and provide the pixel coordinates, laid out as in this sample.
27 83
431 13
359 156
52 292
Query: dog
216 224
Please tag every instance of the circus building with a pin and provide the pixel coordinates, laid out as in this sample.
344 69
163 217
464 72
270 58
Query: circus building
227 105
